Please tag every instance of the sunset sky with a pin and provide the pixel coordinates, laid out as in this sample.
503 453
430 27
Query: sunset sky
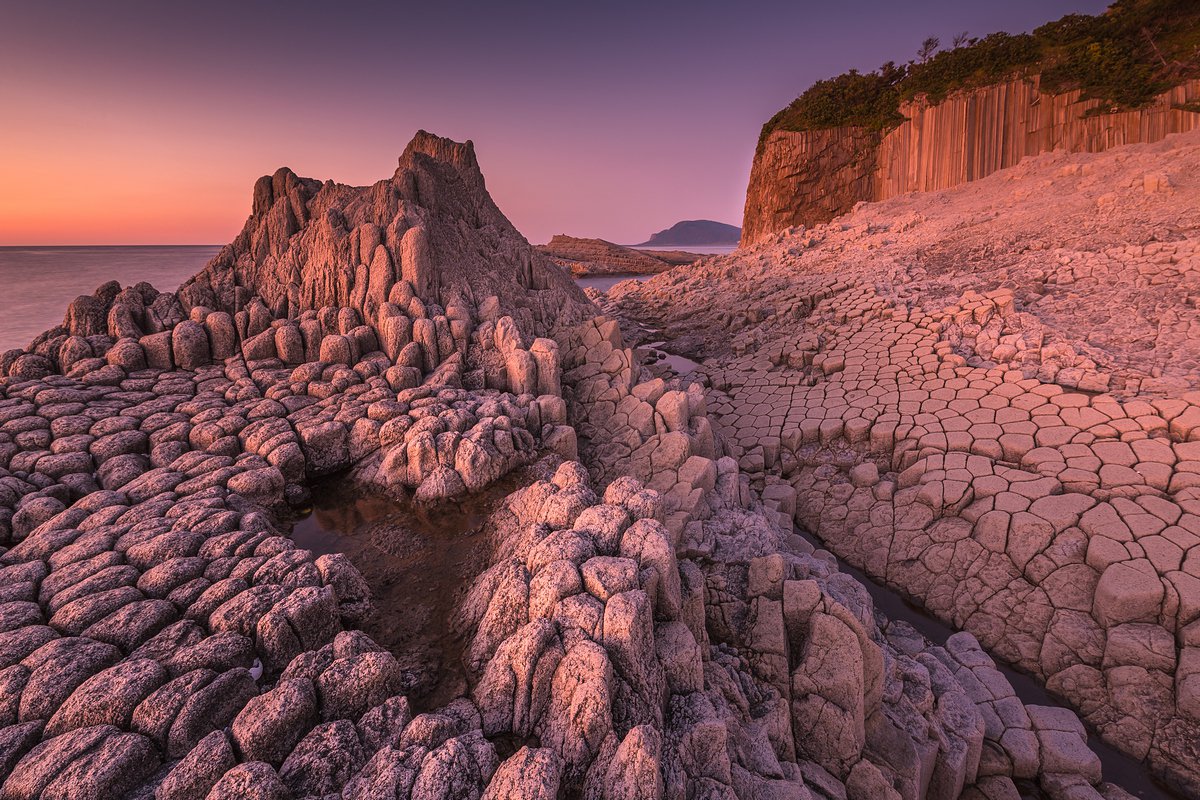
148 122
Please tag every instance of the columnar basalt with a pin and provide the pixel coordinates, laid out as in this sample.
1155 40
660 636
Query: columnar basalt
810 177
985 398
646 628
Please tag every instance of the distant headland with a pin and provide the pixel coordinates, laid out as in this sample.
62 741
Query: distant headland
695 233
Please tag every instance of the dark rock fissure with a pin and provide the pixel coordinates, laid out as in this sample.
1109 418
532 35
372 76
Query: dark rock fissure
419 560
1131 775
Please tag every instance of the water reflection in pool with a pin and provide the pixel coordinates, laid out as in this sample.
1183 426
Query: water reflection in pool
682 365
419 563
602 283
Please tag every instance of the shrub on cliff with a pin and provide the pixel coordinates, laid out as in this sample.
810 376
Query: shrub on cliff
1124 57
866 100
977 63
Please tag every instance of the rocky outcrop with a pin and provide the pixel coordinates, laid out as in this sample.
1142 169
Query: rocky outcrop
810 177
985 398
645 628
701 647
416 277
309 245
598 257
407 260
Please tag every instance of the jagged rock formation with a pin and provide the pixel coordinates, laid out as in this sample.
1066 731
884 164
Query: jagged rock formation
325 279
695 232
986 398
647 628
810 177
309 245
598 257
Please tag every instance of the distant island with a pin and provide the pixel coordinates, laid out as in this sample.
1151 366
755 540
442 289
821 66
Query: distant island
695 232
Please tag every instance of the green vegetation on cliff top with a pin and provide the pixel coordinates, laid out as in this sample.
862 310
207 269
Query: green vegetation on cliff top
1124 57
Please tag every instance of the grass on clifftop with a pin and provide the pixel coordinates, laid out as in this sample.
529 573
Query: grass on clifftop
1124 57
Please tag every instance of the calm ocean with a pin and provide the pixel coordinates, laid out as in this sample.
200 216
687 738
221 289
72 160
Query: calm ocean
39 282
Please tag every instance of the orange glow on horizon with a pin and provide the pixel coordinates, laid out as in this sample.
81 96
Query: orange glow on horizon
148 123
71 179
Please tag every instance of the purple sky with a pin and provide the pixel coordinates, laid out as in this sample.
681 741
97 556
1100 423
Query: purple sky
128 122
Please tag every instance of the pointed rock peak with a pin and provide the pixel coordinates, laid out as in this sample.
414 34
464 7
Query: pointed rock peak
443 176
431 227
460 155
270 188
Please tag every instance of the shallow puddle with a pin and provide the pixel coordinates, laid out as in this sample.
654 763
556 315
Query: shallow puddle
602 283
419 562
682 365
1125 771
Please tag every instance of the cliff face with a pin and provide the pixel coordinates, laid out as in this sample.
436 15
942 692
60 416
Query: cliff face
809 177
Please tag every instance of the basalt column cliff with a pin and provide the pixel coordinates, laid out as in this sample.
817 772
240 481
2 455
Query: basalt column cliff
811 176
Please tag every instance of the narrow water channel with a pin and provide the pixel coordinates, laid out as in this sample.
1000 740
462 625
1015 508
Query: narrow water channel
1119 768
419 562
681 365
602 283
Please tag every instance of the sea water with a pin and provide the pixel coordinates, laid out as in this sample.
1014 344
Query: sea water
37 283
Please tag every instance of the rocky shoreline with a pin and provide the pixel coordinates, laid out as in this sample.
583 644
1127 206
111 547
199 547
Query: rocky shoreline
648 625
